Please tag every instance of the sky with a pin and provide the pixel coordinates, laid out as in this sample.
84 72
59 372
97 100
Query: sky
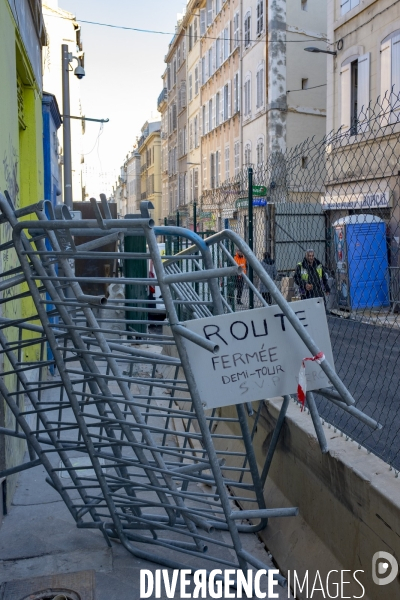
123 76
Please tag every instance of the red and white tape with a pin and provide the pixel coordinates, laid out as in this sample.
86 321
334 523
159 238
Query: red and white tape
302 384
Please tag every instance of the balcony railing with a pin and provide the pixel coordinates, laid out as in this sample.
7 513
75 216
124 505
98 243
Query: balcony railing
162 97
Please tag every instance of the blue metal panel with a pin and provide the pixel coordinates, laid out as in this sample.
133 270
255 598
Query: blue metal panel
368 265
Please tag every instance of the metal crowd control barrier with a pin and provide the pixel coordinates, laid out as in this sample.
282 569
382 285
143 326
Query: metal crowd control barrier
119 426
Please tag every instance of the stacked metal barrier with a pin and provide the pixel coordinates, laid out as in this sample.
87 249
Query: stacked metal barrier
117 424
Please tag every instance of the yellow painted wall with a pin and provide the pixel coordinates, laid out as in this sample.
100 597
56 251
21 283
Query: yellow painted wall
21 174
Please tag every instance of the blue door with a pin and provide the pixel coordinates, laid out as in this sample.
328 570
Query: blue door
368 265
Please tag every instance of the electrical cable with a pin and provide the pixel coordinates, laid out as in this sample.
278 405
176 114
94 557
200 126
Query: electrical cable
306 89
207 37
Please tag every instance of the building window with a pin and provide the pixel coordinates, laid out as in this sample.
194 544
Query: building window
236 30
260 151
203 70
354 81
178 55
346 5
247 96
217 109
217 6
237 157
260 87
247 154
210 61
195 32
260 17
196 81
247 28
210 114
390 78
227 163
304 84
304 5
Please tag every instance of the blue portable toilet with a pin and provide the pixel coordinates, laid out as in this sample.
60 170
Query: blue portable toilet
362 262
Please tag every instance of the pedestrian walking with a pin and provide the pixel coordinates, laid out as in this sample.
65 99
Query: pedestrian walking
239 282
311 277
269 267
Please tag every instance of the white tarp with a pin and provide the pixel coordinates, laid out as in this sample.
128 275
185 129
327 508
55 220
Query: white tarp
260 354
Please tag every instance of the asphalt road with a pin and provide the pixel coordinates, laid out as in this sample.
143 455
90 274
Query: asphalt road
367 358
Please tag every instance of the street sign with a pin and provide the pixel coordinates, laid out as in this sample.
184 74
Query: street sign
260 354
259 190
244 202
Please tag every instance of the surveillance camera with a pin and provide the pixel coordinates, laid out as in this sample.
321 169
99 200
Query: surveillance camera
79 72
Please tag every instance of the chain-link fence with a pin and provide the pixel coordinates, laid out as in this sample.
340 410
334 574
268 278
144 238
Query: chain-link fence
338 197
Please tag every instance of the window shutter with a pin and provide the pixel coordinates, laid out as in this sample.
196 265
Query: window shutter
396 67
235 30
363 90
386 80
221 105
345 91
202 21
196 185
214 117
214 57
229 99
206 123
219 168
209 12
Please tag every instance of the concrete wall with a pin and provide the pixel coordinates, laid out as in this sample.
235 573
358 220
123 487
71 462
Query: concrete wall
349 503
21 169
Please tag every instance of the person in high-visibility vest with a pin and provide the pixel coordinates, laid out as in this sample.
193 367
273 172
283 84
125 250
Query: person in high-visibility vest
239 282
311 277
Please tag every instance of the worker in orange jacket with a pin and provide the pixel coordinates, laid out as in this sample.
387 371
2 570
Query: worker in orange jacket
239 283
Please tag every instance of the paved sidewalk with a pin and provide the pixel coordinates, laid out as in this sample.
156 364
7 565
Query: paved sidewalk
39 537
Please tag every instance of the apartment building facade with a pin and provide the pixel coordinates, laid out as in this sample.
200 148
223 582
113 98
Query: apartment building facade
162 107
149 149
194 104
133 183
363 99
220 92
62 28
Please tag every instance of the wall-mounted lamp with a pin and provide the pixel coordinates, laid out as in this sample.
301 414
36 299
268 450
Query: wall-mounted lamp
319 51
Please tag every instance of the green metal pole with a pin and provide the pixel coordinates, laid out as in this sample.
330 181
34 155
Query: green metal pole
195 217
251 293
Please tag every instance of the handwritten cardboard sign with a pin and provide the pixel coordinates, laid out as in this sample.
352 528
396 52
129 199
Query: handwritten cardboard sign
260 354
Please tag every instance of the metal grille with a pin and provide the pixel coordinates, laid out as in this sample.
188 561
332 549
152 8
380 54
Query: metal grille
338 196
